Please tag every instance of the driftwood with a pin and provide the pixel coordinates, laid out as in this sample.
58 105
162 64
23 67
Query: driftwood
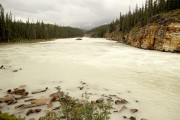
39 91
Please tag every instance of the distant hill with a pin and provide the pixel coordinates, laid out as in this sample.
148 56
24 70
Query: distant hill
99 31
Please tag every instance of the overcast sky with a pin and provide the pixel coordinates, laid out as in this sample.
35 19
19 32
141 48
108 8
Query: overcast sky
75 13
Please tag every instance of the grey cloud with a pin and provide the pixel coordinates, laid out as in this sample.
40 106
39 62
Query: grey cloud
77 13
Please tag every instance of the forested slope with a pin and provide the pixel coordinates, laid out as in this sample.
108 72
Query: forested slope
154 25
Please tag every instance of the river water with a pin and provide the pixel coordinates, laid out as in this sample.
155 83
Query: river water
151 77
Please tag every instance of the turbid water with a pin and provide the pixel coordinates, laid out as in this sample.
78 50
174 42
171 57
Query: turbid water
151 77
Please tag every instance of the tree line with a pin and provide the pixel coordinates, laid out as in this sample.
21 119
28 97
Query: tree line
141 15
98 31
13 30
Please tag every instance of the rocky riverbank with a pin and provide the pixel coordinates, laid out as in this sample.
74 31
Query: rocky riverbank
161 33
60 105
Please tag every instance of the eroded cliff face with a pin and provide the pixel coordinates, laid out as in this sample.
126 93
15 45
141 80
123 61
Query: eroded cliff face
156 37
161 34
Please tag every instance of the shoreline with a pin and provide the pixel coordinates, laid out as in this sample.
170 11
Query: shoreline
29 104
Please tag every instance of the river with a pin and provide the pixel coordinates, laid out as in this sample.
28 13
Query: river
151 77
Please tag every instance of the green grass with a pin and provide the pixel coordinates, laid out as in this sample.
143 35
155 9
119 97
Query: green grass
6 116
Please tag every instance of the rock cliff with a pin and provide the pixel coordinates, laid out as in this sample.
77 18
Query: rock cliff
161 33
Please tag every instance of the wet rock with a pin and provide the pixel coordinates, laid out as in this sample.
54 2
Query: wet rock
22 97
39 91
50 105
123 108
83 83
115 111
57 108
109 100
11 102
19 91
134 110
15 71
41 101
37 110
57 95
132 118
29 100
81 88
19 106
25 106
10 91
1 67
30 111
112 95
122 101
100 100
124 117
104 95
143 119
7 99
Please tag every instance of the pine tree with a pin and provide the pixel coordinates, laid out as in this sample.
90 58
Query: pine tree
2 24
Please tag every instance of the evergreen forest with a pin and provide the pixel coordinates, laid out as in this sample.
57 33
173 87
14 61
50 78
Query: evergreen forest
12 30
